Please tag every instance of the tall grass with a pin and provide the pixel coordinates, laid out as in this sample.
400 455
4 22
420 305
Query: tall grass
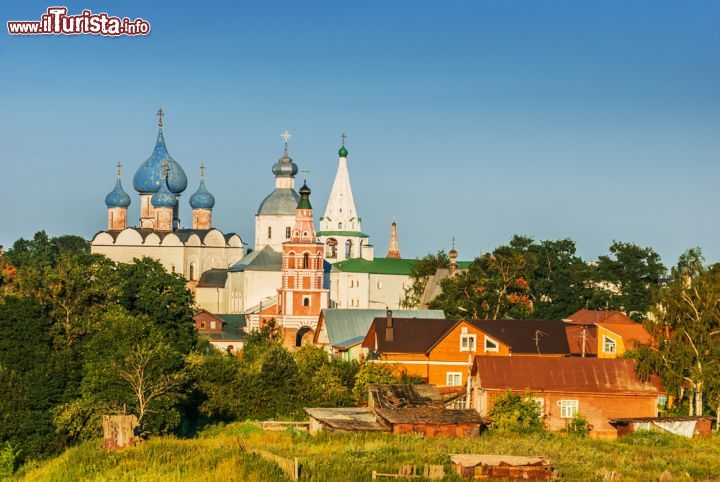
216 454
164 458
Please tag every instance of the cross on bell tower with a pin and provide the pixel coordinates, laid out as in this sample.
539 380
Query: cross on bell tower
160 115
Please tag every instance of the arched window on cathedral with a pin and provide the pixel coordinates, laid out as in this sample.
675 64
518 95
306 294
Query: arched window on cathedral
306 301
288 231
339 225
331 248
269 232
306 260
193 273
348 249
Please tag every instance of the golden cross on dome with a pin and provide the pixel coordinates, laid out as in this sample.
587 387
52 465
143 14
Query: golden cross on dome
160 115
202 170
286 135
306 172
343 138
453 242
118 168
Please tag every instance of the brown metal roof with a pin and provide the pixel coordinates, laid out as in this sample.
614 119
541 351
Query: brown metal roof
584 316
536 337
414 335
410 335
575 339
566 374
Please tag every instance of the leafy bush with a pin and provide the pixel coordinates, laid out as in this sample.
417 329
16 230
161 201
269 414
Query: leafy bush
9 458
578 426
516 413
371 373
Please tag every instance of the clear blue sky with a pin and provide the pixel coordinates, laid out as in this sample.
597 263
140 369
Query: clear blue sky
594 120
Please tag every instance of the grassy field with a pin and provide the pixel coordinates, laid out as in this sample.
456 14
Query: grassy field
217 454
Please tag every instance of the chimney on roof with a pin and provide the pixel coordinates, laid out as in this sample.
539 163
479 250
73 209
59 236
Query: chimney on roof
389 326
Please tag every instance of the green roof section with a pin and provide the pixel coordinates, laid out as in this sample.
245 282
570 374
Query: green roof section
348 327
233 328
351 234
396 266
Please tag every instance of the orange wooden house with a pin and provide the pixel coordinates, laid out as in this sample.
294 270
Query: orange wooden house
441 351
604 334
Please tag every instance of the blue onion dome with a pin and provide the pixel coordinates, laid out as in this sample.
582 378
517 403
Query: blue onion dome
202 199
163 198
149 176
117 198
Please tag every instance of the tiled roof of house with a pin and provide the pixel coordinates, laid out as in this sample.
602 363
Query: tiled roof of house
561 374
348 327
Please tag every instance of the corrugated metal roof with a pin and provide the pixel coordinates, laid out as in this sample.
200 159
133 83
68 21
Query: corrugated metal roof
541 337
566 374
414 335
410 335
344 325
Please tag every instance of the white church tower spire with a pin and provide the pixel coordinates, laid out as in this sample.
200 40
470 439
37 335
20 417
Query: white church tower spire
341 227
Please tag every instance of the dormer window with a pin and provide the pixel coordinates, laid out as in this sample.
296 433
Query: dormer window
490 345
609 345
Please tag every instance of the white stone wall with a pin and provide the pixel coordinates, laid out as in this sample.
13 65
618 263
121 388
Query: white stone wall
364 290
278 224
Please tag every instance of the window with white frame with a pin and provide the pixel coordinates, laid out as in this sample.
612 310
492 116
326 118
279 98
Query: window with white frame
490 345
453 379
213 325
467 342
568 408
609 345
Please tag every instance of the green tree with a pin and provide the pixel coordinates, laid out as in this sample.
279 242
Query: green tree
493 287
33 375
513 412
323 381
627 280
148 290
270 380
131 366
686 327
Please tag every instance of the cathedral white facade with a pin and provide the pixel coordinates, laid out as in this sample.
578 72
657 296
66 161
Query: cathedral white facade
227 279
160 181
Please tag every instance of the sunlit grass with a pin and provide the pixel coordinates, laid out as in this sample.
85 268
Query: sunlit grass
216 454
